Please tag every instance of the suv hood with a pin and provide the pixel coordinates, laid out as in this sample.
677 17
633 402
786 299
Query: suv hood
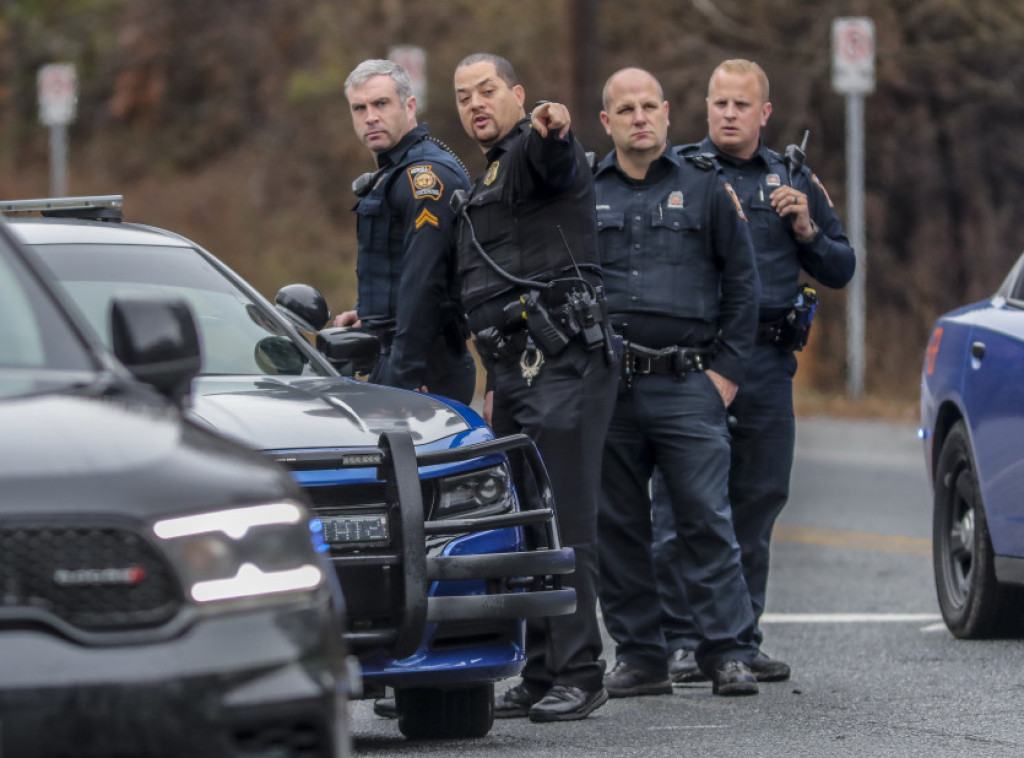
122 454
290 413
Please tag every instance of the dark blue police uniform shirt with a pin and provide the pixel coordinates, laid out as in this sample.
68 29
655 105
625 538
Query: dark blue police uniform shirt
829 257
678 260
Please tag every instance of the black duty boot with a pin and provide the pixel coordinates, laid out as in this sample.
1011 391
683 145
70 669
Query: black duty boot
682 667
767 669
515 703
565 703
734 678
626 680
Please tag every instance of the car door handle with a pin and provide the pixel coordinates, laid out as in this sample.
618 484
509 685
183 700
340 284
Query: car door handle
978 350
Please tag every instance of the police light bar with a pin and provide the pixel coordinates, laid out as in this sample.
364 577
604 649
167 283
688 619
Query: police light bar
102 207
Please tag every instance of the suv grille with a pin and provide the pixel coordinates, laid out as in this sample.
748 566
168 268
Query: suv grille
93 578
357 495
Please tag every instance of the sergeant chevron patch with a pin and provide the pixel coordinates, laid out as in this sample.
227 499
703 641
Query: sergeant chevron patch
426 217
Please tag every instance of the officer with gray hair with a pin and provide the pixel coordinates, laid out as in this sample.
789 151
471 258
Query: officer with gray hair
407 290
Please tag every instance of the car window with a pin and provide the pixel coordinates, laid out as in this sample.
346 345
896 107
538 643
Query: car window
34 333
1017 293
1012 287
235 334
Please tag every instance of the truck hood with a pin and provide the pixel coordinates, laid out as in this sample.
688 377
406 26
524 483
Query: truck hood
290 413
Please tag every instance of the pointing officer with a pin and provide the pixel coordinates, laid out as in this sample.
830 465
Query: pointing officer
794 228
407 291
682 293
531 285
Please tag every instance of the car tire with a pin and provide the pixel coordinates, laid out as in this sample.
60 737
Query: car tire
427 713
973 604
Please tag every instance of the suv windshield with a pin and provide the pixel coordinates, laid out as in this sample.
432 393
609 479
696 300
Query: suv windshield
37 345
236 334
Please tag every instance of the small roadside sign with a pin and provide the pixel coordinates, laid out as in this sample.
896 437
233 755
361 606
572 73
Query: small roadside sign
58 93
414 60
853 55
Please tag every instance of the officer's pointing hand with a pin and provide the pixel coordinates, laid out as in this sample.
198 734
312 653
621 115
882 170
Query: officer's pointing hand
550 116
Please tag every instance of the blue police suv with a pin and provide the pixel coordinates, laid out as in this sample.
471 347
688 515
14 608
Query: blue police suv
162 594
972 424
442 536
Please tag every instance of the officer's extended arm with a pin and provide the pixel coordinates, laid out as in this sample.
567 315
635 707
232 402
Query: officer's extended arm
551 150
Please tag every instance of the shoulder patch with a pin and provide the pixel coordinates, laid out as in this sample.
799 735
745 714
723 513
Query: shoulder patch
735 201
426 217
816 180
425 184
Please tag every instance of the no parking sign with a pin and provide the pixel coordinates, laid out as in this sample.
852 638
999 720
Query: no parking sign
58 94
853 55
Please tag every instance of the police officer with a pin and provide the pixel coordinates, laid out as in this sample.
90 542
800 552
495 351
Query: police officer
794 227
407 290
682 292
531 283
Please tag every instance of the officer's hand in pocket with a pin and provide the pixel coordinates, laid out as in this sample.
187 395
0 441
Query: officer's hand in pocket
726 388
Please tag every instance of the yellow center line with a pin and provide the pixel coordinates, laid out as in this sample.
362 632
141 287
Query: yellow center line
815 535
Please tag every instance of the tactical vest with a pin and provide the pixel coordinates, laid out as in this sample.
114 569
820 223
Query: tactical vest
524 236
380 232
657 258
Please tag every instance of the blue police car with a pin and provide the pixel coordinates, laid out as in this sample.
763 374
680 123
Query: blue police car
972 424
443 537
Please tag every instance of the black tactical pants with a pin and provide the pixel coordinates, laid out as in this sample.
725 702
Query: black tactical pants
678 425
566 413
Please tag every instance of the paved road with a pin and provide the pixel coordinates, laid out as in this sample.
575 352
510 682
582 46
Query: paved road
851 606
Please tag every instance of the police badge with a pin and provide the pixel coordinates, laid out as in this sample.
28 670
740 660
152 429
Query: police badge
492 173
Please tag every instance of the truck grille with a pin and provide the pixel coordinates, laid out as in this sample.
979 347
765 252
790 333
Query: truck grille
95 578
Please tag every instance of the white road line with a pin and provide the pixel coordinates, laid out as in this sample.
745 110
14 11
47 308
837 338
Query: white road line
848 618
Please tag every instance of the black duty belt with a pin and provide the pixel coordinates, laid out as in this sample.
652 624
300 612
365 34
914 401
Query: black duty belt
638 360
770 333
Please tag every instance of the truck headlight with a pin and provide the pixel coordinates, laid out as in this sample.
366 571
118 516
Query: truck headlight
483 492
243 552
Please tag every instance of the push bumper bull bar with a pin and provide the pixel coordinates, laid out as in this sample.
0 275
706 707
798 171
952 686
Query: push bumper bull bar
523 584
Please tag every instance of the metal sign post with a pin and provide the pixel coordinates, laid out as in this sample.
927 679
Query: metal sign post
853 74
58 96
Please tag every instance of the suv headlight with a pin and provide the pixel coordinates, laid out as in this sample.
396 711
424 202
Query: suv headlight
483 492
243 552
